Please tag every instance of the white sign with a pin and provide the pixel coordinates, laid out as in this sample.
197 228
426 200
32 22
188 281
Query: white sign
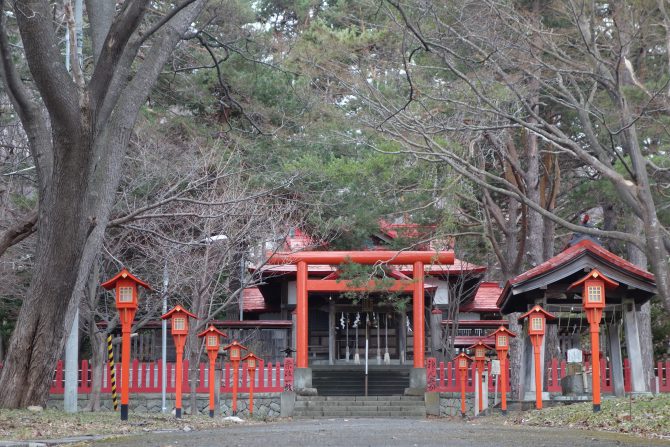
495 367
574 355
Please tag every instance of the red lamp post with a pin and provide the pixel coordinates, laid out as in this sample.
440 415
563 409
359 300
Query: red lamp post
593 301
126 303
235 355
503 336
212 338
463 362
179 328
536 327
252 364
480 360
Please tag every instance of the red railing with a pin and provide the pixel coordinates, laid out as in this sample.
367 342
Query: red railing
148 378
446 378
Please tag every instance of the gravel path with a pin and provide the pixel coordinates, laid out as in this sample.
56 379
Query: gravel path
382 432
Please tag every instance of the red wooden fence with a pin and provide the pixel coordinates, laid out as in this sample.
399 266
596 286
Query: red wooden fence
148 378
447 378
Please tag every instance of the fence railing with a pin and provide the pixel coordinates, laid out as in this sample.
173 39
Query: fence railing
445 378
147 377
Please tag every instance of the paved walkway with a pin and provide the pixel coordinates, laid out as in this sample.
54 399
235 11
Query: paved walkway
382 432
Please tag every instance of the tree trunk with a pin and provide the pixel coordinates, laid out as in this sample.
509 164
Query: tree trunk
76 197
98 366
517 348
637 257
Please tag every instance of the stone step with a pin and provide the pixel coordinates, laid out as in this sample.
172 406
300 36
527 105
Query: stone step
347 412
373 404
361 398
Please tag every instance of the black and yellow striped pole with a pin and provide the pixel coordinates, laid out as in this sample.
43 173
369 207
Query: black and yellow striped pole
112 371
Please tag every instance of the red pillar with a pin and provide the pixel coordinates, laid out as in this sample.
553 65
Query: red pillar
595 360
503 380
212 365
236 377
301 315
252 376
464 373
125 365
480 387
178 380
537 341
418 309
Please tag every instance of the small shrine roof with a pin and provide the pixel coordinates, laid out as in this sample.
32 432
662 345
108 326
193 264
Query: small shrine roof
568 266
254 301
124 274
486 298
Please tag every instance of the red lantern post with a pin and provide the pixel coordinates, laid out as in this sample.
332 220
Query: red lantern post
212 338
179 328
503 336
593 301
126 303
252 364
235 354
463 362
536 327
480 360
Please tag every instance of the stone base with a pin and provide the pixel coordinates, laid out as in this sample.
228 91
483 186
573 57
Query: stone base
530 396
287 404
302 378
432 403
266 405
574 385
417 378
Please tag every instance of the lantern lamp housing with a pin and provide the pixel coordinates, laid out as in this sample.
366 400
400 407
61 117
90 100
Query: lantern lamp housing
252 360
502 337
537 318
501 341
463 361
212 337
480 349
125 285
235 351
179 318
593 294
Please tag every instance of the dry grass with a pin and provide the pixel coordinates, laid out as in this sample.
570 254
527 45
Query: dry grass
52 424
650 416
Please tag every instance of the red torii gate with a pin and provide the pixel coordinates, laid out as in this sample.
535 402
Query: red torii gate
304 285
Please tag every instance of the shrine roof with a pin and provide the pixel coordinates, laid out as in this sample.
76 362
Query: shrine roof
486 299
465 341
254 301
572 263
457 268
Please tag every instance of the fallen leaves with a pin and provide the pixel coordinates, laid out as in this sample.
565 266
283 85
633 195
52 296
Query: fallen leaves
52 424
646 415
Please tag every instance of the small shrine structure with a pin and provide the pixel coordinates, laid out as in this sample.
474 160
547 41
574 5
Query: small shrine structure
549 285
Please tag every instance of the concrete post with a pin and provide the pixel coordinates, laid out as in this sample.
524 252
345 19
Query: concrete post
72 367
436 334
331 332
615 357
402 336
485 392
638 384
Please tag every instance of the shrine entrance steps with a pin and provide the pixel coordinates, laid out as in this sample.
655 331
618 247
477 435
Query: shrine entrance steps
360 407
349 380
